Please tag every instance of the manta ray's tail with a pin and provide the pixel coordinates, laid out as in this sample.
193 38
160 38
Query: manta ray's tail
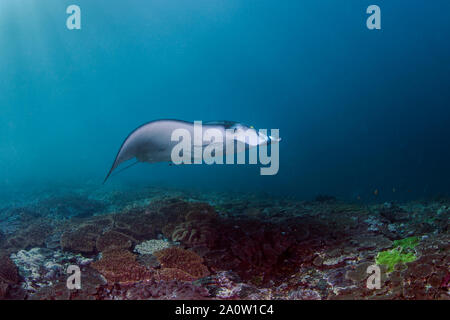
114 166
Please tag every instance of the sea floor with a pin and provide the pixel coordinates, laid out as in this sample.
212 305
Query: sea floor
162 243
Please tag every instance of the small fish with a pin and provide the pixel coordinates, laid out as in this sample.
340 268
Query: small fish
375 192
393 190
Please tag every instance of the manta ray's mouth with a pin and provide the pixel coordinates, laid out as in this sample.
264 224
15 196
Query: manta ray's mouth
264 139
274 139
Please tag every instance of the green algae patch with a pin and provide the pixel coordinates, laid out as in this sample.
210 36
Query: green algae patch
392 257
403 252
407 243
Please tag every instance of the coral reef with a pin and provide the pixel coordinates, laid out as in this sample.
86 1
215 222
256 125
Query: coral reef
393 212
118 265
161 243
197 228
113 240
92 284
138 225
71 205
8 275
391 258
81 240
31 236
228 285
8 270
41 267
402 253
153 289
408 243
167 274
194 233
251 248
151 246
187 261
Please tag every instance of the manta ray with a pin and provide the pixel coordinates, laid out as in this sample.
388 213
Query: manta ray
152 142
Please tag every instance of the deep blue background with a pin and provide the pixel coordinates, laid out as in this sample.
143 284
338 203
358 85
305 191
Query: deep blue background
358 110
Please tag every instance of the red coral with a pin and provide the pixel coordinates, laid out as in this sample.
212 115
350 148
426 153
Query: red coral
8 271
152 289
261 248
32 236
196 228
138 225
82 239
168 274
252 248
445 281
3 289
114 240
184 260
8 275
118 265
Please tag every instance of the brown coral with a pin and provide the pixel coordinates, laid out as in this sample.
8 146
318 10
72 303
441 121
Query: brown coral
32 236
173 209
251 248
91 282
71 205
182 259
159 290
262 248
8 271
195 233
103 222
168 274
198 227
8 275
3 289
82 239
118 265
113 240
359 273
201 212
138 225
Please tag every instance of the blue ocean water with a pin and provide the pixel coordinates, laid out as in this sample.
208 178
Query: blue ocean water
358 110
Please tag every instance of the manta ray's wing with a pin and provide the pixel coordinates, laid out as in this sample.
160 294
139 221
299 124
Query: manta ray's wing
122 169
126 152
152 139
115 165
